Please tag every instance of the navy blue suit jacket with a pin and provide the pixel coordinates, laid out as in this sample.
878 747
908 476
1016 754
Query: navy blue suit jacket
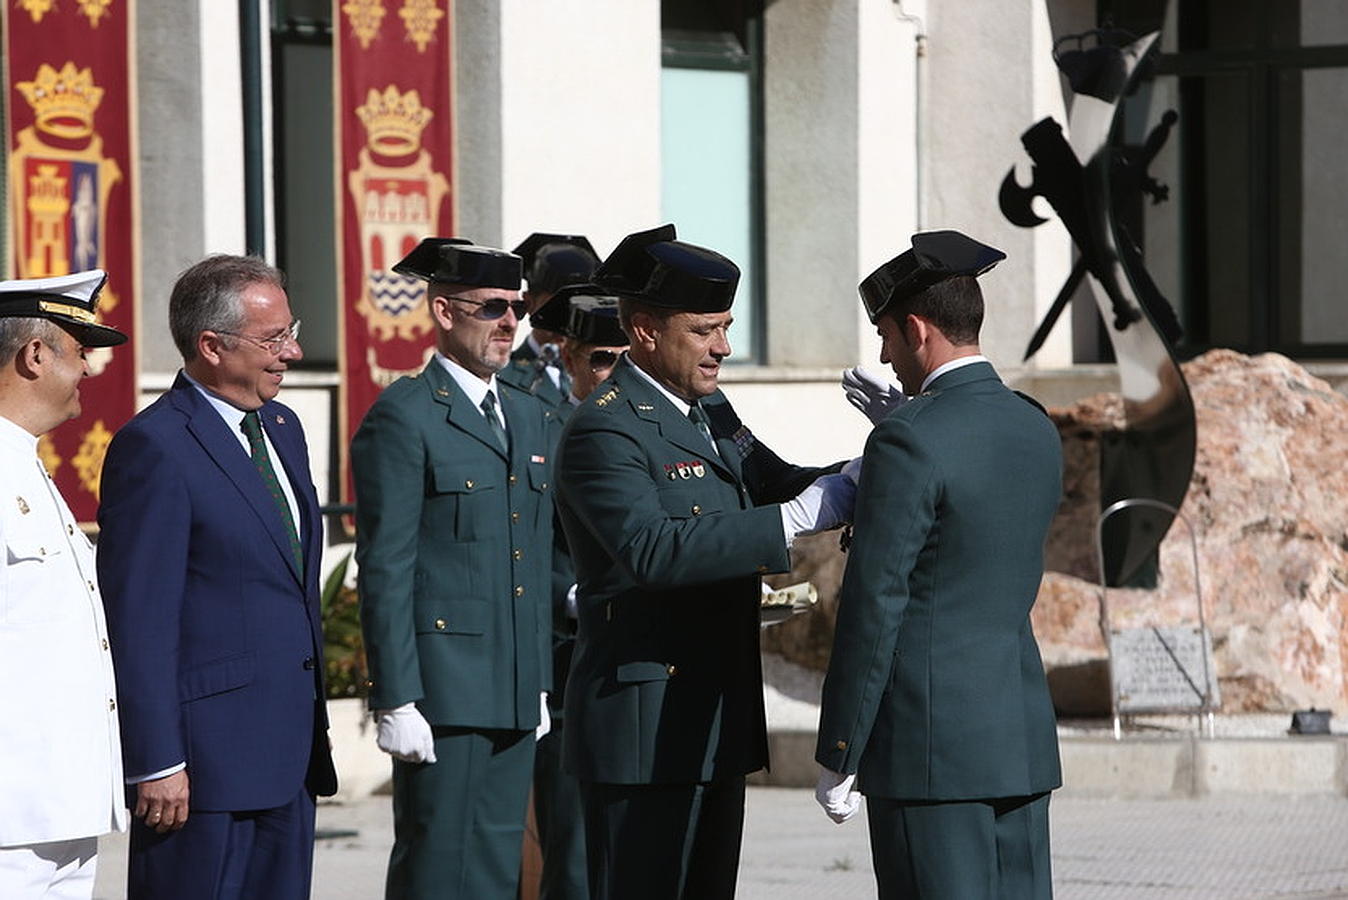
216 636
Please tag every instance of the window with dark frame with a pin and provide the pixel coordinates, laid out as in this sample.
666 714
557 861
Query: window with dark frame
1248 246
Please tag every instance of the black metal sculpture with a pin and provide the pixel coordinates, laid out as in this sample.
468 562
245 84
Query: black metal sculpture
1085 180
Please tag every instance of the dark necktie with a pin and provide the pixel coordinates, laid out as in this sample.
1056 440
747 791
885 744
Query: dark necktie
493 420
699 419
257 449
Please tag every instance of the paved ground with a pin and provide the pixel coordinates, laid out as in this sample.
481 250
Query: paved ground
1222 848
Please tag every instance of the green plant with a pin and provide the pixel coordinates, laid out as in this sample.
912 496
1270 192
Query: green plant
343 650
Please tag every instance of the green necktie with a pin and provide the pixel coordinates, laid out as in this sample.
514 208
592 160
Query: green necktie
257 449
493 420
699 418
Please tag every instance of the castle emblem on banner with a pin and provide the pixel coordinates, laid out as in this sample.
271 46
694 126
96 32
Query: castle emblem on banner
60 182
397 197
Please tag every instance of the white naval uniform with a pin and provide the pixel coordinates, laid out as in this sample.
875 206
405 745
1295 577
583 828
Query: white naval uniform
60 749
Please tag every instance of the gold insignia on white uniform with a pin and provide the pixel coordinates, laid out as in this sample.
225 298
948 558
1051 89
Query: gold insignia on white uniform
23 506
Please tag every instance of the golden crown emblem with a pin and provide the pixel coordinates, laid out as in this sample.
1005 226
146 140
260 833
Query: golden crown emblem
63 102
394 121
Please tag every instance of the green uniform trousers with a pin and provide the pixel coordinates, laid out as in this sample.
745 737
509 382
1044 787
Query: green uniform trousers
972 850
458 823
561 823
664 841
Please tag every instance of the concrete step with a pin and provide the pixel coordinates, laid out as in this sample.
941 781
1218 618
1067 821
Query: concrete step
1145 766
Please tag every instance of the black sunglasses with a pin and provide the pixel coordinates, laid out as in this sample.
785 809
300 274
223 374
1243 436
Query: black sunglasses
603 359
495 308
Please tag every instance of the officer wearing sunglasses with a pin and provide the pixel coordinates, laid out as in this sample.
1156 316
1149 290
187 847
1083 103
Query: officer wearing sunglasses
454 537
593 341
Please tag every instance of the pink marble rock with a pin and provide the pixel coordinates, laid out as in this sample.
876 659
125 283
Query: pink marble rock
1269 505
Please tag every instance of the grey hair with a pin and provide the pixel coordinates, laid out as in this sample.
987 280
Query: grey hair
16 331
209 297
627 308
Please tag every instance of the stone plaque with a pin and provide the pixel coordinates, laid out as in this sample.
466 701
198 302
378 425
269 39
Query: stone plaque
1161 669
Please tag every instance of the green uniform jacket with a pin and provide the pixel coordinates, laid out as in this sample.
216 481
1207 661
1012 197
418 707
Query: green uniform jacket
666 685
935 689
524 372
453 543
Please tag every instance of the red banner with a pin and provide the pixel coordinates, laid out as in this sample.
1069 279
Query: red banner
395 141
69 77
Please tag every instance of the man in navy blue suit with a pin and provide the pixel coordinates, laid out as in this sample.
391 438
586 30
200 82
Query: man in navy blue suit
208 558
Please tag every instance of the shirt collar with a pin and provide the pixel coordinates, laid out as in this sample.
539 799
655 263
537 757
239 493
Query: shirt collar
681 405
951 366
17 436
475 388
232 415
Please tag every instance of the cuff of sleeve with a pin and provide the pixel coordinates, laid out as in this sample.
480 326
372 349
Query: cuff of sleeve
155 776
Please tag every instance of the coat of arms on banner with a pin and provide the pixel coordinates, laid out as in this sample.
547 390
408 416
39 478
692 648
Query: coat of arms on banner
396 206
60 181
59 177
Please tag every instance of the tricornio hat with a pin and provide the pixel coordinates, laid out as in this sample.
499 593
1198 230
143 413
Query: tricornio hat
69 300
627 270
934 257
552 261
594 318
690 278
457 261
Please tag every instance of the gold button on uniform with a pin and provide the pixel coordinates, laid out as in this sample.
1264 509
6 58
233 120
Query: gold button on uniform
841 745
468 484
519 590
518 554
543 486
512 479
697 510
105 643
440 624
112 704
514 517
672 670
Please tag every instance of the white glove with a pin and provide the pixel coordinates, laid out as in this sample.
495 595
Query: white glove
545 717
404 733
875 398
834 793
826 503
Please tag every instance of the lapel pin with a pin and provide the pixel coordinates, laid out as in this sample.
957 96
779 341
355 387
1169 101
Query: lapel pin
23 505
280 419
698 469
645 407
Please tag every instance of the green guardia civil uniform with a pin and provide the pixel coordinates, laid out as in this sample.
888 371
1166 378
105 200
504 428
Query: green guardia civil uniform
454 539
527 372
669 540
935 693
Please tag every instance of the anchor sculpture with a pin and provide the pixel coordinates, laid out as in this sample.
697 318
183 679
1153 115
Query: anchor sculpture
1083 178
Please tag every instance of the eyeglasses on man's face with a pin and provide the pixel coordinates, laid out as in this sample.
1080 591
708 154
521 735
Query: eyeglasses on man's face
493 309
274 344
